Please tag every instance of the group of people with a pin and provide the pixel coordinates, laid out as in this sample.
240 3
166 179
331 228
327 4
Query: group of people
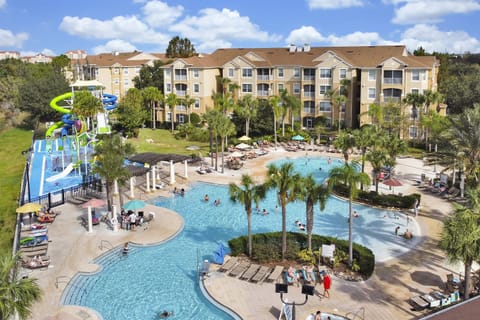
130 220
216 203
180 192
325 278
301 226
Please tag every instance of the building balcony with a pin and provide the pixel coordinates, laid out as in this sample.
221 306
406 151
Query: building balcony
308 78
309 94
180 78
309 110
392 81
181 93
391 99
263 77
262 93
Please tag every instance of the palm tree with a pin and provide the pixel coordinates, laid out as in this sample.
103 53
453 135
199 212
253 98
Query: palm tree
86 105
364 138
247 108
152 96
344 141
311 193
111 153
225 128
172 101
213 118
274 102
17 294
394 146
378 158
284 96
416 100
285 181
247 193
292 105
188 101
349 176
461 236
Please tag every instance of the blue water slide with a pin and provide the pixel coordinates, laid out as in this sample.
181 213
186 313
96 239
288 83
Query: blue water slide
109 101
67 119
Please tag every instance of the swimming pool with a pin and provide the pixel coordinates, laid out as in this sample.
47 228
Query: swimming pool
148 281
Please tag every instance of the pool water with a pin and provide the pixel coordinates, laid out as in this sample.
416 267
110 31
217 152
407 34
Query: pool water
163 277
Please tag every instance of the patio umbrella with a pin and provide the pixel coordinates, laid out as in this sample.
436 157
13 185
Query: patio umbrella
134 205
193 148
392 182
29 207
242 146
244 138
94 203
236 154
298 138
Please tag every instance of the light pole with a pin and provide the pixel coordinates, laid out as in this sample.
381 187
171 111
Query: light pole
282 288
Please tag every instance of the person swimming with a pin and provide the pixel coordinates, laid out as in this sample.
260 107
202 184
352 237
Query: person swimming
165 314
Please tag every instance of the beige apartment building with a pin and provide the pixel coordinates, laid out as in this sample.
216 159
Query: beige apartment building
365 74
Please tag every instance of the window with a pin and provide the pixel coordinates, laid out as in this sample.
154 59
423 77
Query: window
247 72
325 106
116 70
372 75
415 75
296 72
126 82
116 81
196 88
280 72
96 72
125 70
296 88
181 118
280 87
168 87
168 73
325 73
231 72
247 87
195 73
343 73
413 132
169 116
372 93
325 89
309 107
415 91
392 76
137 70
197 104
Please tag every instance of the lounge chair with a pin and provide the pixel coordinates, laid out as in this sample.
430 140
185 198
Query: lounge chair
260 275
309 275
418 303
275 274
239 269
251 271
228 265
36 262
291 280
45 219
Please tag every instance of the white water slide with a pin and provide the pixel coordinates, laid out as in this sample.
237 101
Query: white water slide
62 174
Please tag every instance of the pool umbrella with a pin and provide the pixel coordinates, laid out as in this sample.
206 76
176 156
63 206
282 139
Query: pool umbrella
244 138
298 138
29 207
236 154
134 205
242 146
392 182
94 203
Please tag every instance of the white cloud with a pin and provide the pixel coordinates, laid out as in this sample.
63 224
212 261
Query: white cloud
119 27
45 51
429 11
433 39
305 34
213 45
159 14
333 4
115 45
214 26
9 39
3 3
357 38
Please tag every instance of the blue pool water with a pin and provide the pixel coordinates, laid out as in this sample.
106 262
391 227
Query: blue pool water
160 277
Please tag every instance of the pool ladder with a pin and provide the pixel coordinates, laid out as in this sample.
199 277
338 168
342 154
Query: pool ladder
103 243
61 279
359 314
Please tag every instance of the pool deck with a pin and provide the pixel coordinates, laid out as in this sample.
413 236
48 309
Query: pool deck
383 296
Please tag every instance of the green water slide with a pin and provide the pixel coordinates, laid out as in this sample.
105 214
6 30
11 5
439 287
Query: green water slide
55 106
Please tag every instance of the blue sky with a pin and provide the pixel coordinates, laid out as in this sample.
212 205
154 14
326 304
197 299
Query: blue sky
56 26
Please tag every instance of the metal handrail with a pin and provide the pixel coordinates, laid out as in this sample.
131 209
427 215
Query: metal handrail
355 314
61 279
102 242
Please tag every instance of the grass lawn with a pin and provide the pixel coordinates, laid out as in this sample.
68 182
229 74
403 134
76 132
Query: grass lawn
162 141
13 142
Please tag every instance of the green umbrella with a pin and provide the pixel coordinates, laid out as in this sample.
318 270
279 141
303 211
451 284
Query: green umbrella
134 205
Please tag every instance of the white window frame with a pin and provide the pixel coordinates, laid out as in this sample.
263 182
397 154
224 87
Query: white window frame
116 70
231 72
296 72
125 71
342 74
247 73
281 72
372 75
325 103
137 70
168 87
413 130
196 104
416 75
196 88
196 73
296 88
281 86
126 83
245 86
116 81
415 90
168 73
370 95
324 89
325 73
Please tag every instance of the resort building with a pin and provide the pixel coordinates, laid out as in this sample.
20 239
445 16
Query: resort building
38 58
9 55
364 75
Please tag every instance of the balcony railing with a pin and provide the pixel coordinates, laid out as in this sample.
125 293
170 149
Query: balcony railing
392 80
263 77
180 77
308 78
391 99
181 93
262 93
181 108
309 93
309 110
